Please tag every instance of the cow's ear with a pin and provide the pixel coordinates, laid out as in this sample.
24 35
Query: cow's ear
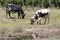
38 12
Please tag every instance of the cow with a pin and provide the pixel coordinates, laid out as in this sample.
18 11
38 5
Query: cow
15 8
40 14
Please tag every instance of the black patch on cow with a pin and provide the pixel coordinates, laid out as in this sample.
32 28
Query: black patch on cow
42 15
36 17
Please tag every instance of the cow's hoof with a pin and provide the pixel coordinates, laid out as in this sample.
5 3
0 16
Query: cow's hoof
19 17
22 18
6 18
44 23
31 23
40 23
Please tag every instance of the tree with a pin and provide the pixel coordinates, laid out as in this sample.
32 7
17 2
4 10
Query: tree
42 3
23 2
49 3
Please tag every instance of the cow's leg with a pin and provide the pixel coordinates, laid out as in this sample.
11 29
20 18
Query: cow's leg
22 14
48 18
18 15
45 20
9 14
39 20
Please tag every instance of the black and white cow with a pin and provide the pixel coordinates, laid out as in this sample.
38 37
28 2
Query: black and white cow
14 8
39 14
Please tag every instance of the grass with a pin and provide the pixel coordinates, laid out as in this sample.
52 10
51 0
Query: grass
10 24
54 19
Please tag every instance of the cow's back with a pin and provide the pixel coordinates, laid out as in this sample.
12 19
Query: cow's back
13 7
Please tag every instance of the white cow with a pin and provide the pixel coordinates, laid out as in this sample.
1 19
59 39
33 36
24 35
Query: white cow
39 14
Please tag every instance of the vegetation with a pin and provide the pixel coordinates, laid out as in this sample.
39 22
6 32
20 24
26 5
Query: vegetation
39 3
54 19
8 27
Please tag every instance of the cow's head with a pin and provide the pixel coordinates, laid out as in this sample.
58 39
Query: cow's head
23 16
32 21
34 18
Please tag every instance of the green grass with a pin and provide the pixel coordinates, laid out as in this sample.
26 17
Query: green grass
11 25
54 19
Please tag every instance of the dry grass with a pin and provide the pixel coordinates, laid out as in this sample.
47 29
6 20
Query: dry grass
19 25
54 19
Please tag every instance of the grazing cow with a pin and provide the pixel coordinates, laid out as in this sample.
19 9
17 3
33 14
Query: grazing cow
39 14
14 8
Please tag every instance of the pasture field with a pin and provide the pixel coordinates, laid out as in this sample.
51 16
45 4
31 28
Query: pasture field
54 19
10 24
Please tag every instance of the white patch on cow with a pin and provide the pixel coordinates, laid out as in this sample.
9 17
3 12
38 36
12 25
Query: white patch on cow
43 11
38 19
37 12
37 15
33 17
10 4
9 8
